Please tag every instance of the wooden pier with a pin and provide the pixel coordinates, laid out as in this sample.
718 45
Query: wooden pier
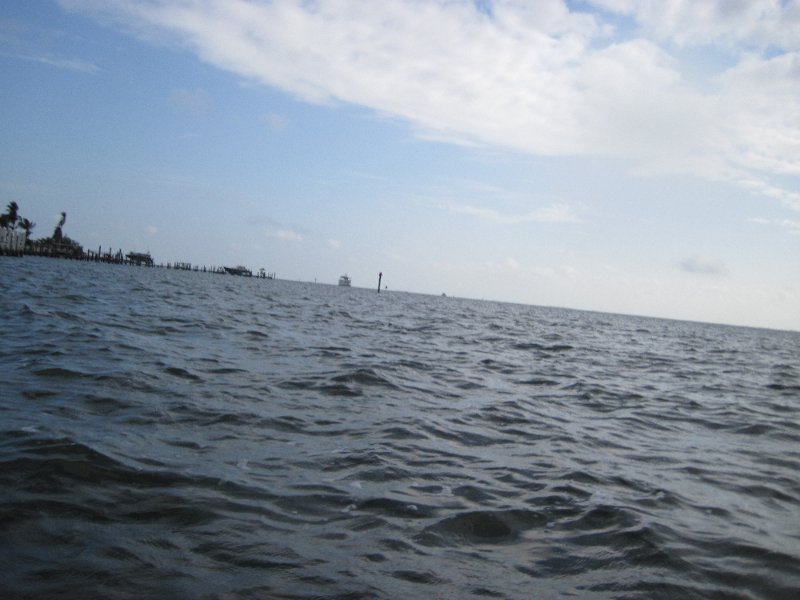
16 243
12 243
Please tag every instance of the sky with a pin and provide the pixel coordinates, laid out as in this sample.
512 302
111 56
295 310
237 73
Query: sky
627 156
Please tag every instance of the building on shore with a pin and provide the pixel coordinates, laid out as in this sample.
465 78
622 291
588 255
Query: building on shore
12 242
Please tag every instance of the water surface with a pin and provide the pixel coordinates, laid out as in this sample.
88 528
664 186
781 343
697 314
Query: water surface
188 435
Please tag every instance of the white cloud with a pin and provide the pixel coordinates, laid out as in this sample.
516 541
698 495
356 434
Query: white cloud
151 230
535 77
288 235
762 116
335 244
703 22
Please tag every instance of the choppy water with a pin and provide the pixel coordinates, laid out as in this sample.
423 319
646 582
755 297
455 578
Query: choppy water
168 434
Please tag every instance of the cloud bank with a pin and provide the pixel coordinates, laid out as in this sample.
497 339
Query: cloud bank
608 80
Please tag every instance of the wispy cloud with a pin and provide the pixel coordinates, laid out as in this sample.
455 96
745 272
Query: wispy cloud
59 62
788 198
541 78
789 225
703 266
556 213
274 121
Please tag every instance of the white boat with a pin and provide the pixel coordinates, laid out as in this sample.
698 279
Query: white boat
344 280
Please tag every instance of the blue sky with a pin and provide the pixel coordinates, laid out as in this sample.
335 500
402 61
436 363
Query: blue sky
627 156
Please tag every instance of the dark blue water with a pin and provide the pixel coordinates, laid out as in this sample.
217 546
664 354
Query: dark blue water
168 434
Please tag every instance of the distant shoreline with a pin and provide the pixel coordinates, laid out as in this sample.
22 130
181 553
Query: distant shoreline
13 244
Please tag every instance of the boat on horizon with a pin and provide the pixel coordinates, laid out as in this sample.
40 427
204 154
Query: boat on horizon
140 258
344 280
238 270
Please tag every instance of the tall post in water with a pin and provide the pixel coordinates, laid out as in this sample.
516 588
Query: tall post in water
379 281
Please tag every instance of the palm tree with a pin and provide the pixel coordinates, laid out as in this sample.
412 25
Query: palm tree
10 218
27 226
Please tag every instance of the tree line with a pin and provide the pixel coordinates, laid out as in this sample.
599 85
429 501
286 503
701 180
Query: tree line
11 220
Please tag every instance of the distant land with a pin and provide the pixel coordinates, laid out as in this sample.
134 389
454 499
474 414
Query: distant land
15 240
